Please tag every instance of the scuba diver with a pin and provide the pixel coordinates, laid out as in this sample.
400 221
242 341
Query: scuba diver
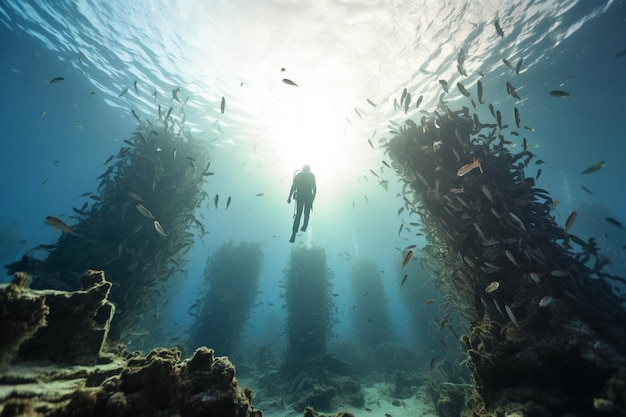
303 191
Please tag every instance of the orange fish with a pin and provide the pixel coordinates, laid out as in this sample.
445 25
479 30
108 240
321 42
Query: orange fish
465 169
570 221
407 257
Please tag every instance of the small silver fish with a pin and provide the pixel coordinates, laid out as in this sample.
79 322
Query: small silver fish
487 192
545 301
462 89
535 277
499 30
509 312
159 229
144 211
494 285
289 82
511 258
519 66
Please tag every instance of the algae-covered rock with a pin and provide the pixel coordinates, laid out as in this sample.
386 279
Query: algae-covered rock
310 412
159 384
22 313
78 323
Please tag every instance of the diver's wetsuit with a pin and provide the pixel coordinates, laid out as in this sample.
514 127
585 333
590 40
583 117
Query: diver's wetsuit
303 191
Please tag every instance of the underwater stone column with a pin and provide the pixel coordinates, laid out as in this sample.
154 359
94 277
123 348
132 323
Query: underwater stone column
232 277
371 318
547 333
136 226
309 307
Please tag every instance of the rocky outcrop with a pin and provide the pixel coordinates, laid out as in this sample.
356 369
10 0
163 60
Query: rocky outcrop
158 384
77 323
54 341
22 313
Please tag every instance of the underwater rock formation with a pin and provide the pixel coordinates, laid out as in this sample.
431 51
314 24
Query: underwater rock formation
136 225
22 313
309 376
156 384
309 307
310 412
59 326
76 326
371 317
548 333
60 369
389 357
232 275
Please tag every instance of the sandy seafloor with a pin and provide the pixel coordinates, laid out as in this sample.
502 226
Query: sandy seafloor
378 403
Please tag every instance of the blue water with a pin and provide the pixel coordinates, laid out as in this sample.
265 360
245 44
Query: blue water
57 136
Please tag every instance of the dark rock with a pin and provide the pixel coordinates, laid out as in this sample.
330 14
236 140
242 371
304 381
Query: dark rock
391 356
22 313
77 324
154 385
79 380
334 364
159 385
449 399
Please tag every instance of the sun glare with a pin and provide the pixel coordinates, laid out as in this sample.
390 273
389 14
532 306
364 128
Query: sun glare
306 127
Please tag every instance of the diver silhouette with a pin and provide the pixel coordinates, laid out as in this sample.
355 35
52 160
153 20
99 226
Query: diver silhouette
303 190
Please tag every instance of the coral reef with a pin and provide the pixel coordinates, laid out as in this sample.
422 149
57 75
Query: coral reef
154 385
77 324
68 330
324 382
58 326
22 313
231 275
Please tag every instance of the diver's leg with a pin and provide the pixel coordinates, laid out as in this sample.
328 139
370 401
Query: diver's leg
296 220
307 212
